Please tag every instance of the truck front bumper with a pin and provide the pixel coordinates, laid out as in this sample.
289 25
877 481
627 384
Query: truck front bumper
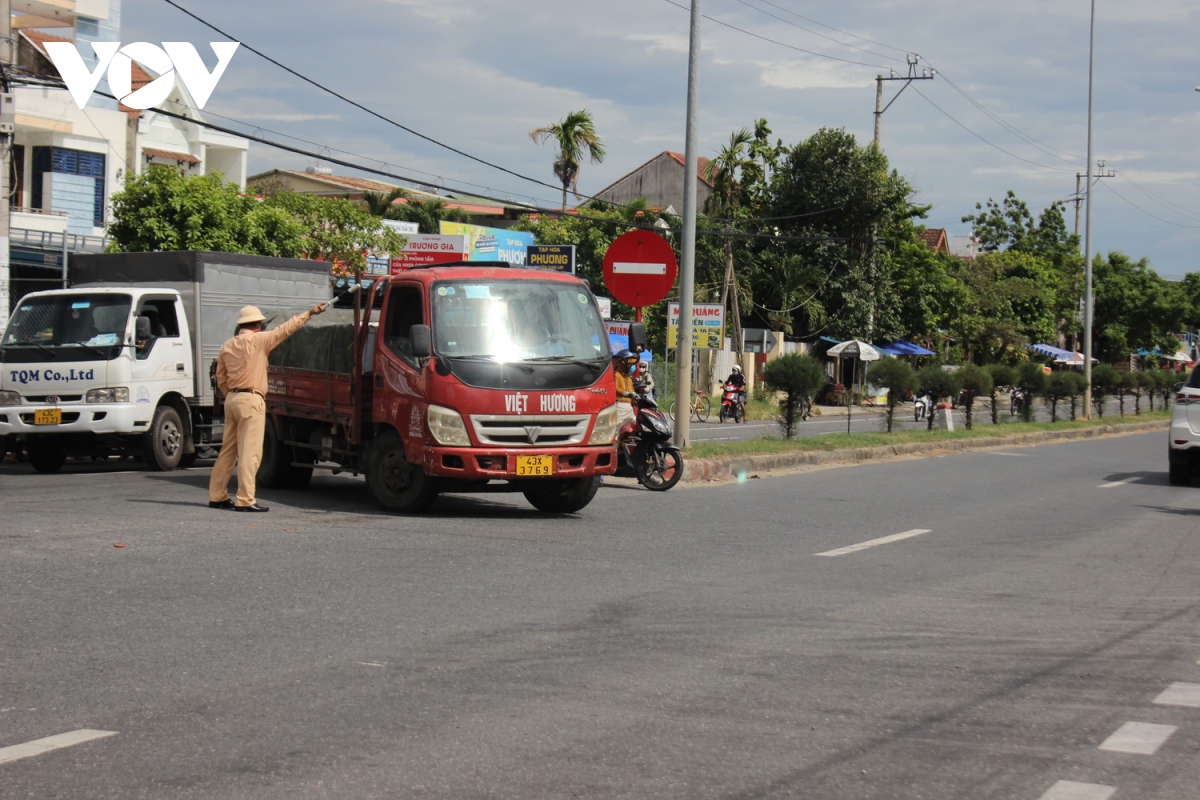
79 418
479 463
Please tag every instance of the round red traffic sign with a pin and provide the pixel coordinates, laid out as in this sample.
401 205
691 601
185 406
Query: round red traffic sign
640 268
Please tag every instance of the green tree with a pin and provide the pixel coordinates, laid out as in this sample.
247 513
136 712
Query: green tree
976 382
1080 385
428 214
1012 302
575 137
724 173
1124 385
337 230
1134 308
940 383
1105 381
1001 375
1059 386
898 378
1030 378
797 377
1010 226
380 204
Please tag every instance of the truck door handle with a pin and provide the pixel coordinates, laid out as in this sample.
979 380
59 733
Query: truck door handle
179 366
379 381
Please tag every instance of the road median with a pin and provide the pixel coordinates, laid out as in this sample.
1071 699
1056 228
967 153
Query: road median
718 467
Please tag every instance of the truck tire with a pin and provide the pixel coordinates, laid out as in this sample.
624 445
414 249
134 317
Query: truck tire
564 496
162 445
45 456
276 470
396 484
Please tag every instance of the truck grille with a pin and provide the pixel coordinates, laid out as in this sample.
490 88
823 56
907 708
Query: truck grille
510 430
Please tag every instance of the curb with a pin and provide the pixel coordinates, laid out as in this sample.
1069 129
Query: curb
714 469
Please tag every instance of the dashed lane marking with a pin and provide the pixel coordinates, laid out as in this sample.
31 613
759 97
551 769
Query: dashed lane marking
1116 483
1139 738
854 548
1073 790
1180 694
39 746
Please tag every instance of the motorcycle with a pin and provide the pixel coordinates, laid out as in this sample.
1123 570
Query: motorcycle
1017 401
731 403
645 452
922 406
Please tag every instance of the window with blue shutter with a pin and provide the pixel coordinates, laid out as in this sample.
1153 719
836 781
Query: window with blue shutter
69 162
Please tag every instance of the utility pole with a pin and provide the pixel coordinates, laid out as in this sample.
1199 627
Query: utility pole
687 244
1077 198
926 75
7 117
1087 235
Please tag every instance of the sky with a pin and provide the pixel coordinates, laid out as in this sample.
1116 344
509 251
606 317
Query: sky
1007 108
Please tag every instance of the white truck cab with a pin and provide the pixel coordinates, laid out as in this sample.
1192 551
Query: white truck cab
97 370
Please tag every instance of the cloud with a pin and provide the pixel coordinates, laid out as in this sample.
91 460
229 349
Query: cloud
805 74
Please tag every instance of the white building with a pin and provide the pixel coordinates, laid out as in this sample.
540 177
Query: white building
67 161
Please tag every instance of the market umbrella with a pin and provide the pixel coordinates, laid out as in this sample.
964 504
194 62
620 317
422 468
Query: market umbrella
861 351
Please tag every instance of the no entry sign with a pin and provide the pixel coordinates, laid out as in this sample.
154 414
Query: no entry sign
640 268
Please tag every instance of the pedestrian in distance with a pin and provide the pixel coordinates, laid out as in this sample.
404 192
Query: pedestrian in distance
242 378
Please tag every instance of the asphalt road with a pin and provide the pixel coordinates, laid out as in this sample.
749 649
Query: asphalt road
714 641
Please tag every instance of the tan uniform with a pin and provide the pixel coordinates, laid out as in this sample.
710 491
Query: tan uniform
625 411
242 378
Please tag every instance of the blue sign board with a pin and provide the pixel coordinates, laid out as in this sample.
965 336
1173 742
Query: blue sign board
558 257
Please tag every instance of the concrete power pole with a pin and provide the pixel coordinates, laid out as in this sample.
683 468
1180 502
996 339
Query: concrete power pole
7 117
1077 198
926 75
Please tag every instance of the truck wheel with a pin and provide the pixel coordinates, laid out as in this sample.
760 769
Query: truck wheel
276 470
45 457
395 483
163 443
564 497
188 460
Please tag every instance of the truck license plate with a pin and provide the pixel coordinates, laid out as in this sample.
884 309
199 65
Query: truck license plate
535 465
47 416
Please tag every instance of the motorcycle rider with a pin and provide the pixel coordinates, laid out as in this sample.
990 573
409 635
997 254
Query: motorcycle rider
739 380
624 363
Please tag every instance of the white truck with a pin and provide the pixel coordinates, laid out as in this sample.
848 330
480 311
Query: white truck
121 362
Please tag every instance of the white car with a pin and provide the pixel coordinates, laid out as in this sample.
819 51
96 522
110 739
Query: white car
1184 450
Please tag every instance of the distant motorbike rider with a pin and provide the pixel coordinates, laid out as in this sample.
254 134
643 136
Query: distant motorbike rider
645 378
739 380
624 364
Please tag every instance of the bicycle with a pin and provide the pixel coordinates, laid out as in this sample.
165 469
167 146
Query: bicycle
700 408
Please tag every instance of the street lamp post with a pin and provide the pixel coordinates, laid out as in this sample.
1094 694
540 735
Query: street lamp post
1087 231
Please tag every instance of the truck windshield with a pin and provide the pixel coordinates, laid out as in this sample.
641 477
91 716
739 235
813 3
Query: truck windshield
517 322
67 327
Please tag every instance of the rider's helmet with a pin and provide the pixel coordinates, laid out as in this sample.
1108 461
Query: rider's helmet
737 367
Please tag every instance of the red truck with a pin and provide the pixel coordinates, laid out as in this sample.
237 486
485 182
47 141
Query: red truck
457 377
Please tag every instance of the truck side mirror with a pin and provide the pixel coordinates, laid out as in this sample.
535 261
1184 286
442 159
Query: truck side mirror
141 328
422 341
637 337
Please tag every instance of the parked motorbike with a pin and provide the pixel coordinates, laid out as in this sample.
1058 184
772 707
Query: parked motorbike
732 406
645 451
1017 401
922 406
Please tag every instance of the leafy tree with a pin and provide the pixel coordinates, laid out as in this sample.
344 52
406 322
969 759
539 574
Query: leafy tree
1079 385
940 383
162 209
1142 384
1134 308
575 137
898 378
1030 378
379 204
724 172
835 201
1002 375
1124 385
798 377
1058 387
976 382
1165 381
1012 302
1010 226
428 214
1105 380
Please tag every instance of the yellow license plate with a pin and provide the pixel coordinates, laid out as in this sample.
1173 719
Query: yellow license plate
535 465
47 416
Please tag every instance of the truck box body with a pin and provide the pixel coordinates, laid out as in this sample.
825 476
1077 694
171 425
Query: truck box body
214 287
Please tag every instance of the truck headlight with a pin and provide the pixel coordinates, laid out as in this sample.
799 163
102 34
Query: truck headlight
447 427
117 394
605 429
10 399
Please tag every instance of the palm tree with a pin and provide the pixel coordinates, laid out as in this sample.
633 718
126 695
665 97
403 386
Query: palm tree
378 203
725 201
575 135
428 214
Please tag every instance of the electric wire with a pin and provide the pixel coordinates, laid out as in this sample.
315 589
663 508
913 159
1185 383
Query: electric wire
1175 207
835 30
1147 213
817 33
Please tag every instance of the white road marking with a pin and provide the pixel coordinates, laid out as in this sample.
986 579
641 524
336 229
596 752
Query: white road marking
1139 738
1116 483
1002 453
1180 694
854 548
39 746
1073 790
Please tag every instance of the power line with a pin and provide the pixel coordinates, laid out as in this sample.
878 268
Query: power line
835 30
814 33
1178 209
1144 211
772 41
359 105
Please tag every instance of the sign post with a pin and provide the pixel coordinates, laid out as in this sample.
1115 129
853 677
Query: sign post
640 269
